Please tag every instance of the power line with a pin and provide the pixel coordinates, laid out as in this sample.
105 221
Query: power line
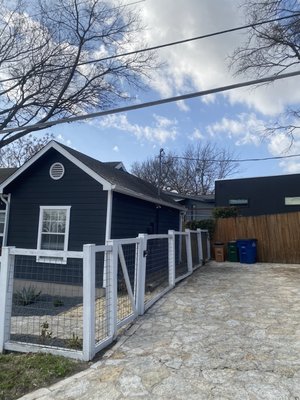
164 45
151 103
238 160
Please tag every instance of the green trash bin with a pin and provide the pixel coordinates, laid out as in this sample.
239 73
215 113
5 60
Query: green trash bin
232 251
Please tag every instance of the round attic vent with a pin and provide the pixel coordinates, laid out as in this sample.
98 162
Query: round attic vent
57 171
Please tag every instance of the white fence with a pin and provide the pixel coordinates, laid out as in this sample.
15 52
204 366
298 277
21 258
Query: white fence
76 308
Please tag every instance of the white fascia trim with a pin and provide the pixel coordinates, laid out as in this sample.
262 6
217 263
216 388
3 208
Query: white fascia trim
121 166
147 198
108 215
106 185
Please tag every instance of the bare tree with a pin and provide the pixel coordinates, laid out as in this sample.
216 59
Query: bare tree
271 48
18 152
47 53
194 171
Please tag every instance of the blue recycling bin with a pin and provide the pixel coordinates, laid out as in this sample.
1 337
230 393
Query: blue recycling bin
247 250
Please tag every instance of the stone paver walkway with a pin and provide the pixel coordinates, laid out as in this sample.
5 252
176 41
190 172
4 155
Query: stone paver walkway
230 331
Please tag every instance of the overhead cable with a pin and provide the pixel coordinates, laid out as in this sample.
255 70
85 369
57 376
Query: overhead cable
161 46
151 103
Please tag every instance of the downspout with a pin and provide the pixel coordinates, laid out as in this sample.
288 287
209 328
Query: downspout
6 201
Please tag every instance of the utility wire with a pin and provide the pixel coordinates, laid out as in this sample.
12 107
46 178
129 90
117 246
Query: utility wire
238 160
161 46
151 103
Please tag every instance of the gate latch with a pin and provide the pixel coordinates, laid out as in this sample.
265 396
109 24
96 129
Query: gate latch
145 253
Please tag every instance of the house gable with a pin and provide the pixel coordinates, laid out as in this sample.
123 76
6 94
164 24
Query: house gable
35 188
54 145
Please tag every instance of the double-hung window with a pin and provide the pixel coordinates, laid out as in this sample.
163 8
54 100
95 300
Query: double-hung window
53 231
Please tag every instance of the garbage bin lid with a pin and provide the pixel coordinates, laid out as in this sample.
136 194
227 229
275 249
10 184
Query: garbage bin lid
218 243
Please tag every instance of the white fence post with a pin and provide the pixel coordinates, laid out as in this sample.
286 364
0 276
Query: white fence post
172 262
189 250
6 294
141 274
199 244
89 283
112 288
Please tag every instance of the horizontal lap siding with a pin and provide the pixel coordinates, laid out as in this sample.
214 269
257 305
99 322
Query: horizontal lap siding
132 216
35 188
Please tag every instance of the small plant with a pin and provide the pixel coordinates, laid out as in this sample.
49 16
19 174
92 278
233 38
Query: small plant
45 332
27 295
74 342
58 303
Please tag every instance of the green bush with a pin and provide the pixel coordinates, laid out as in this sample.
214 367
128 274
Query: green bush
225 212
208 224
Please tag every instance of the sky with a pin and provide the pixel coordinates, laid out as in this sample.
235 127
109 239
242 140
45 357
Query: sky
234 120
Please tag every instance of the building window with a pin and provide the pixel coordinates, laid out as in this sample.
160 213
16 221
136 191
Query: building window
292 201
53 231
2 221
238 202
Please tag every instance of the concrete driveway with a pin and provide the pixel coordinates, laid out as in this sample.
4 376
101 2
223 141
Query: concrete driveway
230 331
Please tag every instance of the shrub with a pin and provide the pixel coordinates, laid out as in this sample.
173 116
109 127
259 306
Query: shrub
208 224
225 212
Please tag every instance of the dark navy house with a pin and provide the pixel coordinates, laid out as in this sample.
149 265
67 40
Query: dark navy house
62 199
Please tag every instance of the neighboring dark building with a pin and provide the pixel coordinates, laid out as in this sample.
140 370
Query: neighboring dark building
260 195
62 199
198 207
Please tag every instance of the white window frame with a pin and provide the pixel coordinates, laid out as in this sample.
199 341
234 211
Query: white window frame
55 259
5 213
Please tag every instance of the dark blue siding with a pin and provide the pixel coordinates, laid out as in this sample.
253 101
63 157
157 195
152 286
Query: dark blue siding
76 189
132 216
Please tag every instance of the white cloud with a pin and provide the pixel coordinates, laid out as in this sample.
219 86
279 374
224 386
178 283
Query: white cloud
181 104
61 139
116 149
245 129
281 145
203 64
196 135
163 128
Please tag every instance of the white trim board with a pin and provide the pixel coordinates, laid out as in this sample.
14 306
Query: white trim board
106 185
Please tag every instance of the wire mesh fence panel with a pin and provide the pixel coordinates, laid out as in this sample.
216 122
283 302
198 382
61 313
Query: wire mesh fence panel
47 306
127 264
181 263
204 238
102 301
194 247
157 267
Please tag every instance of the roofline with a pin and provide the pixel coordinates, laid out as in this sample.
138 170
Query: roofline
147 198
106 185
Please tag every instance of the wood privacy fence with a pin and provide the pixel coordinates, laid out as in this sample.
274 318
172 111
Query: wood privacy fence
278 235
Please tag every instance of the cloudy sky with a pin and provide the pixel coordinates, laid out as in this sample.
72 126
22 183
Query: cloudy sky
234 119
